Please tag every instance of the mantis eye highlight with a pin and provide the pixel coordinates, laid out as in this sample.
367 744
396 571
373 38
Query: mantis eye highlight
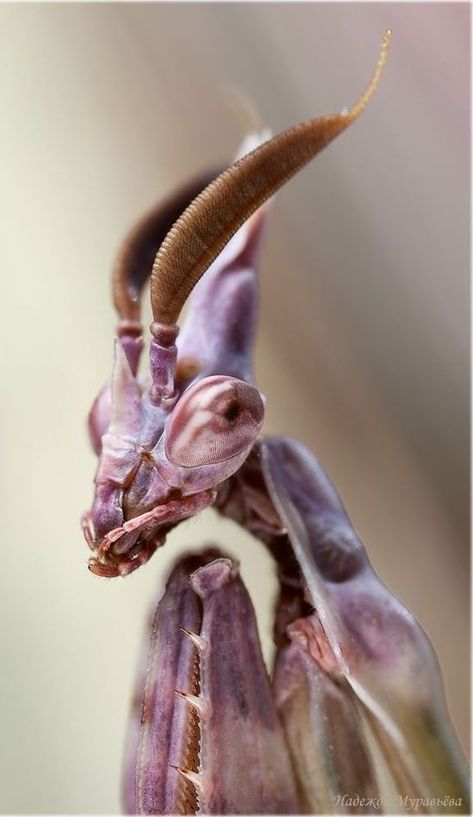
214 420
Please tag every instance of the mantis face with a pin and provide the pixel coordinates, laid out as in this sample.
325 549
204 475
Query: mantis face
167 440
165 467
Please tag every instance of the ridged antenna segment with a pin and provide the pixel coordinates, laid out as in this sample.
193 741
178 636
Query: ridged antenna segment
208 223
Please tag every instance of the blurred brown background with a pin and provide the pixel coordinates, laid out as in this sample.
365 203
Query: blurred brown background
363 344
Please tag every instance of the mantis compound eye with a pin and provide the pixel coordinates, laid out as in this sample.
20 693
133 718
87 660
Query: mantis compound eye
214 421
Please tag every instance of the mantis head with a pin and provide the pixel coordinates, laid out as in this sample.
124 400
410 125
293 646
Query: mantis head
168 441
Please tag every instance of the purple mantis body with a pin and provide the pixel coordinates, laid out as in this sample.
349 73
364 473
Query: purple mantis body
355 683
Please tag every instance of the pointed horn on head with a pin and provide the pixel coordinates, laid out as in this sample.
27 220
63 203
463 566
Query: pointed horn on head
209 222
127 408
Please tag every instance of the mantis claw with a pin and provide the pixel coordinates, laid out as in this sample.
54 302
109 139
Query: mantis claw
375 642
223 736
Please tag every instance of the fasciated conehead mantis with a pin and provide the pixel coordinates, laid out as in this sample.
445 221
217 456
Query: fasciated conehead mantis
355 678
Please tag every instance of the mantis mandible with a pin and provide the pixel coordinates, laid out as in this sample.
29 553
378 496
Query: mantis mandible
354 674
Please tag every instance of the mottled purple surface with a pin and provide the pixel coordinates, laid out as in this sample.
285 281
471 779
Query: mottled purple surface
324 733
366 635
227 733
244 759
209 730
159 724
153 449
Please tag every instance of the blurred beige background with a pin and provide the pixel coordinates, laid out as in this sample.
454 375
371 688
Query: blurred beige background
363 344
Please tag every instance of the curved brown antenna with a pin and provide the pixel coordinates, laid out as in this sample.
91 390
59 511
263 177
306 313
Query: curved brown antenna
136 255
202 231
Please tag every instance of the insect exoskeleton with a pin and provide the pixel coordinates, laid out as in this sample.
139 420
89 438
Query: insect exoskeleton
216 420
